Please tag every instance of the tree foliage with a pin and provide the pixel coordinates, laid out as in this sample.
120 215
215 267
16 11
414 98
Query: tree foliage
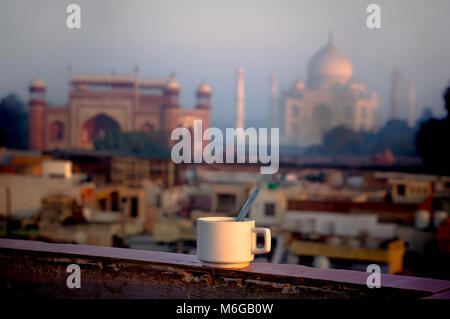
140 143
395 136
342 140
13 122
432 141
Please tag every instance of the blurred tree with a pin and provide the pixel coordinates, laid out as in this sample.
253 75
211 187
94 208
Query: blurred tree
342 140
427 114
432 141
151 144
13 123
397 137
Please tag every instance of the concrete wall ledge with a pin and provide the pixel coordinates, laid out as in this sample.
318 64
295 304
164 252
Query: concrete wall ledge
38 269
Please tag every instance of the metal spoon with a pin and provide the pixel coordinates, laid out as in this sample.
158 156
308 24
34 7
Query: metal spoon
246 207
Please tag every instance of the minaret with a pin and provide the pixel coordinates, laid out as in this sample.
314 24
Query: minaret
203 97
411 102
274 120
37 114
69 78
136 98
396 95
240 95
171 91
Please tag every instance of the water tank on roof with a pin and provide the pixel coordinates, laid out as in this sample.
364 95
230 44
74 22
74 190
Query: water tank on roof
438 217
321 262
422 219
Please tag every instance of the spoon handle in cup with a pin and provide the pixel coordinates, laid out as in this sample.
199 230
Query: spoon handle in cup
248 203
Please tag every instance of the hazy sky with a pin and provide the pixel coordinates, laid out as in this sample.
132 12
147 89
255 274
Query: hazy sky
208 40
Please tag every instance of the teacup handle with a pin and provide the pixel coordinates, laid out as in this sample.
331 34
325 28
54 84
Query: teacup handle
266 248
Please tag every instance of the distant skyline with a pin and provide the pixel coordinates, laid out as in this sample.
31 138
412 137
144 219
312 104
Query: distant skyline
208 40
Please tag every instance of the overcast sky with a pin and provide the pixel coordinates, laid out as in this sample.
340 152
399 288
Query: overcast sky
209 40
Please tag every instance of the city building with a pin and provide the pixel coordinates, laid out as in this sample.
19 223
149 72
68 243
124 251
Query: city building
110 167
270 205
62 206
21 193
101 104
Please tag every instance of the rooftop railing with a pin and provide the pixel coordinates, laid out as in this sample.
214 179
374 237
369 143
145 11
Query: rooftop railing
38 269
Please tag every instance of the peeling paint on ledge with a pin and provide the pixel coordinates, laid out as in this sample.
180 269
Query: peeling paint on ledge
36 269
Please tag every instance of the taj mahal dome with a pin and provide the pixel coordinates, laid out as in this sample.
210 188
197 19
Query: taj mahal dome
327 99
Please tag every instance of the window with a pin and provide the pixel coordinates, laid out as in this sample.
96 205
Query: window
225 203
401 190
148 128
115 201
158 200
269 209
57 131
348 112
322 117
330 228
56 175
310 226
295 129
102 203
363 114
134 207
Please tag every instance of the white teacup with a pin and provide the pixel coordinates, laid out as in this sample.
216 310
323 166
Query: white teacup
225 243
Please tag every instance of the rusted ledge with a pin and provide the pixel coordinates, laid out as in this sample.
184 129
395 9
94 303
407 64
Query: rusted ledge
38 269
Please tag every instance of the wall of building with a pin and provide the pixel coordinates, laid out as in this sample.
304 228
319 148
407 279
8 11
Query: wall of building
27 191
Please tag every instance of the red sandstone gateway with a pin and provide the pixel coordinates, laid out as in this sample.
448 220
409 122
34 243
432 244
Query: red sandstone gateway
102 104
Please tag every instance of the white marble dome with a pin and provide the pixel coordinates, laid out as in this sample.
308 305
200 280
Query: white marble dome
327 67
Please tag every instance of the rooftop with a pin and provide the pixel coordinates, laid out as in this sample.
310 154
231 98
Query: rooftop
38 269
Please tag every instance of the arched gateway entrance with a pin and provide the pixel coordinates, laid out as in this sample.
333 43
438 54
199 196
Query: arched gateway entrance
95 128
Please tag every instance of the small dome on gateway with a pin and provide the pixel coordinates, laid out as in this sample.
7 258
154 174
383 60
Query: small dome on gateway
37 83
204 89
172 83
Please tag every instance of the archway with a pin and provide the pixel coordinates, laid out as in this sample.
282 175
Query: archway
349 116
57 131
96 128
322 118
148 128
